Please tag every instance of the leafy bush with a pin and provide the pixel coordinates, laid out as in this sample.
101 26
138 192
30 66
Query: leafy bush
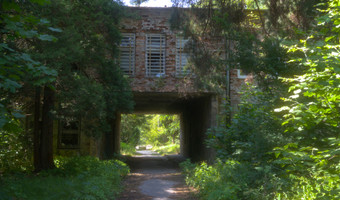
15 150
127 148
253 131
312 173
74 178
230 180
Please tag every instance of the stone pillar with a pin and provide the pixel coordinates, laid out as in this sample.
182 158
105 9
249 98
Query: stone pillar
111 139
116 134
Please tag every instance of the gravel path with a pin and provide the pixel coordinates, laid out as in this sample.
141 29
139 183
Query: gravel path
155 177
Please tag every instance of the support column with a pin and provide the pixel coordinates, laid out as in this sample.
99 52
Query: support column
116 134
111 140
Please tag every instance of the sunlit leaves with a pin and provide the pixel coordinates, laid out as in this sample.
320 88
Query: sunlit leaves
313 116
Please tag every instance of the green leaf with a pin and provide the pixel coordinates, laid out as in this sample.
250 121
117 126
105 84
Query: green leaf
55 29
7 5
46 37
18 115
329 38
41 2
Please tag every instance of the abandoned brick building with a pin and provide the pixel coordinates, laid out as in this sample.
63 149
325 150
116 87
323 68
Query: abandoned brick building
153 56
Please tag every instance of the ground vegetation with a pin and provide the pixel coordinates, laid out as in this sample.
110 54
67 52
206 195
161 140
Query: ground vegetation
283 140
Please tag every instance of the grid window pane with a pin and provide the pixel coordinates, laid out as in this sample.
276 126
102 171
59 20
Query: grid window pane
155 55
69 134
127 53
181 57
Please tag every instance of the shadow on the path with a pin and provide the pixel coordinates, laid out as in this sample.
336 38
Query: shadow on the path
155 177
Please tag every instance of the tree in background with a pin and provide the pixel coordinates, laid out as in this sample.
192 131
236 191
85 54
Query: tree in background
261 156
89 85
18 72
155 130
172 127
164 129
133 126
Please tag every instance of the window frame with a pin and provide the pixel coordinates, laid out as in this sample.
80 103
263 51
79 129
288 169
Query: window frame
180 54
155 55
62 131
130 52
241 75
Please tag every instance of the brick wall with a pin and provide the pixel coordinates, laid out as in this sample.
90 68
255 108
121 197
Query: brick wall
156 20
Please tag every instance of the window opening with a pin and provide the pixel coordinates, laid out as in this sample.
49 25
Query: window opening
69 134
181 57
155 55
241 74
153 132
127 53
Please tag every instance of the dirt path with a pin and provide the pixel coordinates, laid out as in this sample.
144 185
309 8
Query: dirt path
155 177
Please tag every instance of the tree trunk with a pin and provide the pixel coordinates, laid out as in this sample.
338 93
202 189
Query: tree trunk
46 142
37 131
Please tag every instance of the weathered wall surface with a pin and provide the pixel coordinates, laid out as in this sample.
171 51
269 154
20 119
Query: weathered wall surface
236 86
168 94
154 21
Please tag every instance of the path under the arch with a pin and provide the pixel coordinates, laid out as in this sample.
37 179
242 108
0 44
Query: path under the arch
155 177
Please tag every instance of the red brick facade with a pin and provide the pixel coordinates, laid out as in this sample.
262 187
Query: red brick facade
156 21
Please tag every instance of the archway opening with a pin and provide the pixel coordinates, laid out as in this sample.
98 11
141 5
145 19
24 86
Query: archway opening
154 132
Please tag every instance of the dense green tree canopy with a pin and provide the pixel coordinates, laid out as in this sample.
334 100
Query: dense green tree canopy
283 140
90 84
18 68
70 72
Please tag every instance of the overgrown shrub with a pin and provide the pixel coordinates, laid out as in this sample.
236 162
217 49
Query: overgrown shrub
127 148
230 180
15 150
74 178
252 132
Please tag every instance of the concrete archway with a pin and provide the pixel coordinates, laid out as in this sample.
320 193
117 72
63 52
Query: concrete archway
197 113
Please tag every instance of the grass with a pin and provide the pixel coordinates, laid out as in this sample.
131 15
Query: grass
167 149
74 178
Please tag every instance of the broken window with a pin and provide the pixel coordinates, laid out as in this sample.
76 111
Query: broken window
181 57
127 53
155 55
241 74
69 134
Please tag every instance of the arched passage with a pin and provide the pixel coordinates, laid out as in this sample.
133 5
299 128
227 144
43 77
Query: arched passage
197 113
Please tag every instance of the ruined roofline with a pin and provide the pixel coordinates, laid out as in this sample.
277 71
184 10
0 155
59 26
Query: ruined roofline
182 8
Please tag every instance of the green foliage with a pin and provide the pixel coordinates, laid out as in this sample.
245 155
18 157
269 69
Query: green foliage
253 131
288 151
171 126
132 127
127 149
160 131
138 2
17 67
312 173
74 178
230 180
90 83
15 150
164 129
167 149
312 114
